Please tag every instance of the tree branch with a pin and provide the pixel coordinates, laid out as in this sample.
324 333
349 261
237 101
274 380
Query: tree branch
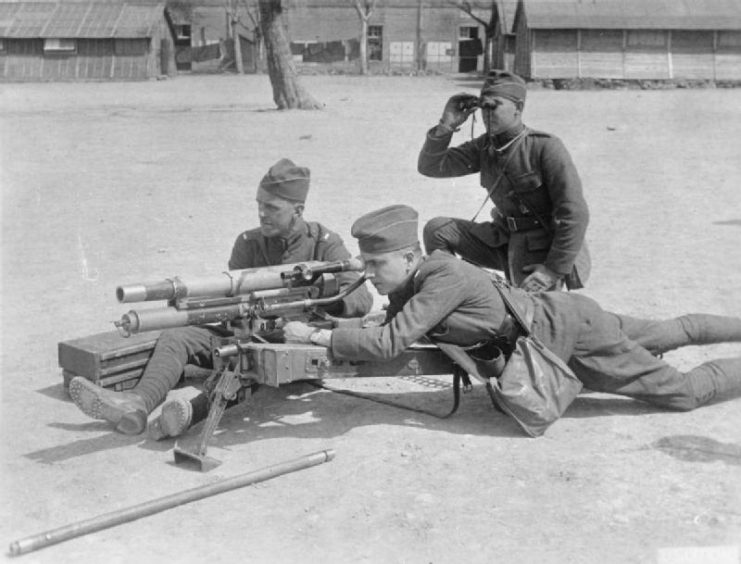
466 7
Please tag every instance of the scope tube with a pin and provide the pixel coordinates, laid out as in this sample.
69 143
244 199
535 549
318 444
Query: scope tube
232 282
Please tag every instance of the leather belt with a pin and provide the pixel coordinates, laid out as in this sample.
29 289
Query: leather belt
522 223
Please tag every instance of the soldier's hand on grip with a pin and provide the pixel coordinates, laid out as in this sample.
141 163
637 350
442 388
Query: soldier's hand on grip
457 109
298 332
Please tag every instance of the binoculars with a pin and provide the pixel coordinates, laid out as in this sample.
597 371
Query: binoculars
469 103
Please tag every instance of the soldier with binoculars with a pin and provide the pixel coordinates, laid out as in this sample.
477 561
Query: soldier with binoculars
536 236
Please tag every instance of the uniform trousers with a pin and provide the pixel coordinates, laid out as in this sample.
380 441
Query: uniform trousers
608 352
616 354
174 349
484 244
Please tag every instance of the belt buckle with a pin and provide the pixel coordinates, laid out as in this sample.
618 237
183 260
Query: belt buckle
511 223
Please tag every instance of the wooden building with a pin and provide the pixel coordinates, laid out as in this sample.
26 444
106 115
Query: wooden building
403 35
91 40
629 39
204 36
503 36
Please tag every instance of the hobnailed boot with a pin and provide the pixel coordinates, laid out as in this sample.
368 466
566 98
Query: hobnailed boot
126 410
173 421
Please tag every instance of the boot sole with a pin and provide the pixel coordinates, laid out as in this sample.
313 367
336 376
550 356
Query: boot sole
173 421
87 397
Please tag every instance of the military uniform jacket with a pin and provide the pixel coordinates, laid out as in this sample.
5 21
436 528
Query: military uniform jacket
308 241
532 178
446 299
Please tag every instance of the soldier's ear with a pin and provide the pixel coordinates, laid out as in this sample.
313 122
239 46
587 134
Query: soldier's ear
298 210
409 259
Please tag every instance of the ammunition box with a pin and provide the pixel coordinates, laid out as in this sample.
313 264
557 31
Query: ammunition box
107 359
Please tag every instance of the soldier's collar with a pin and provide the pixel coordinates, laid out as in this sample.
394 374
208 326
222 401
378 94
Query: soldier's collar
298 231
501 141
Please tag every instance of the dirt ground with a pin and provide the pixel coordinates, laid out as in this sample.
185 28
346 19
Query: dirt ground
104 184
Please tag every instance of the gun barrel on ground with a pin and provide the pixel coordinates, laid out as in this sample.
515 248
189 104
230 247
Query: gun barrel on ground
128 514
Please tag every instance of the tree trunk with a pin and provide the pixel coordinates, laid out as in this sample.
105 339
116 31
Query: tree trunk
363 46
420 44
288 93
237 45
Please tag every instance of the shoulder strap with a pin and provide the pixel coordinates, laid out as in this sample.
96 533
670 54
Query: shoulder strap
545 351
502 174
458 355
317 233
513 309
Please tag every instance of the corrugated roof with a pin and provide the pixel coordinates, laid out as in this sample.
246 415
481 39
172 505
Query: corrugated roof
179 14
633 14
507 9
73 20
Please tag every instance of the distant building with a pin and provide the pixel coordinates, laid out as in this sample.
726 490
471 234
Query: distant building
629 39
403 35
503 37
204 37
83 41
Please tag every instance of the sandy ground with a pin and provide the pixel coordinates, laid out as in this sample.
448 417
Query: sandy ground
104 184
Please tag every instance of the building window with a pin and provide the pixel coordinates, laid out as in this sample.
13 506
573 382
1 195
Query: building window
60 46
375 42
130 47
182 32
647 39
468 32
2 46
730 40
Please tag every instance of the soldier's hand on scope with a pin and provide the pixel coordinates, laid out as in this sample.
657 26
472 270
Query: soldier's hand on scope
298 332
541 278
457 109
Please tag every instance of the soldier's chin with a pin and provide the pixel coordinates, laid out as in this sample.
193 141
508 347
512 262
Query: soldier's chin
268 230
381 290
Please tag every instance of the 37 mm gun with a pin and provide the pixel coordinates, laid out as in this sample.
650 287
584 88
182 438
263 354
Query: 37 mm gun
254 304
274 291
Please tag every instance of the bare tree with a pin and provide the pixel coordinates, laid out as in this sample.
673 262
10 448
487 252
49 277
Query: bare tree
490 27
364 8
288 93
232 11
254 16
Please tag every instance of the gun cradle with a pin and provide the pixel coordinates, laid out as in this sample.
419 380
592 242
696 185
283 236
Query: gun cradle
276 364
252 304
273 364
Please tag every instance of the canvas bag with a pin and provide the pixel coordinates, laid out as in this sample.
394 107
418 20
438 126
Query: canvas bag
535 387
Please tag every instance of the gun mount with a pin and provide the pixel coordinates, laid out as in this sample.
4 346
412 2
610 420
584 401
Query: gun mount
253 304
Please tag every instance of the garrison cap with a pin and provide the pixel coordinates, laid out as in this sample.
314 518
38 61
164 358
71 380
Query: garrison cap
505 84
286 180
385 230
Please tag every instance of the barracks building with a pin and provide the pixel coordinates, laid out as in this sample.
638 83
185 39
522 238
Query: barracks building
538 39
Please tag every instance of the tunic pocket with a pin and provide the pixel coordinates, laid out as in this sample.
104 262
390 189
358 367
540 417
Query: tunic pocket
527 182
